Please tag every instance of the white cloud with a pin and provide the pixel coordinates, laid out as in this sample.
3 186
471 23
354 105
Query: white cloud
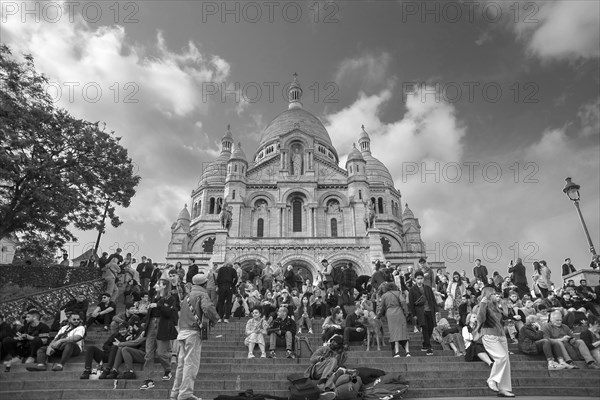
369 70
560 29
589 117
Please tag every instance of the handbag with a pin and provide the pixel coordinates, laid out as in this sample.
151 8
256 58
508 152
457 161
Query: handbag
449 303
420 301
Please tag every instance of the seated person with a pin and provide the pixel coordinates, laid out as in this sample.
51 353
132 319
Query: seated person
128 352
474 348
7 330
103 313
563 335
127 317
551 301
295 298
107 353
319 309
331 299
282 328
254 296
304 316
449 337
67 343
78 305
326 360
587 296
354 329
240 306
268 306
333 325
142 306
286 300
532 341
28 339
590 336
256 328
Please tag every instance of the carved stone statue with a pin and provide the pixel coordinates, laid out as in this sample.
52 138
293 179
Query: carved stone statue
297 163
369 214
225 216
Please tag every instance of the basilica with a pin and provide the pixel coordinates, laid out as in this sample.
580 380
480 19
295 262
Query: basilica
292 203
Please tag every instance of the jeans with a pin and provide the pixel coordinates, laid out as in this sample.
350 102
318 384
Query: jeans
188 364
127 356
224 303
153 346
274 339
70 350
427 328
96 354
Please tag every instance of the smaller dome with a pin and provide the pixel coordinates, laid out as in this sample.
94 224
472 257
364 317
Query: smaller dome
407 214
184 214
363 134
354 155
216 171
238 153
228 135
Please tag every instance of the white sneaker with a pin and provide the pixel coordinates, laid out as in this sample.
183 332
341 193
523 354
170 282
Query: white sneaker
263 355
566 365
310 331
250 355
226 321
553 365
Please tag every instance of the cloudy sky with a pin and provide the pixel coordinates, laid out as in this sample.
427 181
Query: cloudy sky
479 109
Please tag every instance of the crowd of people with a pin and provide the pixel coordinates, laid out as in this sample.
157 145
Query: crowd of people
167 310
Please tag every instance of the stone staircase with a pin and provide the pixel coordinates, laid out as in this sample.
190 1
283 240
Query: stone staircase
224 359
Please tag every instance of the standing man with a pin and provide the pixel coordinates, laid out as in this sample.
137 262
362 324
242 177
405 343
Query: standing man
191 272
347 284
428 275
226 281
519 277
567 267
422 304
480 271
195 308
327 274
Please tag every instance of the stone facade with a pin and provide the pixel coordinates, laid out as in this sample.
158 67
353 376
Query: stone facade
293 204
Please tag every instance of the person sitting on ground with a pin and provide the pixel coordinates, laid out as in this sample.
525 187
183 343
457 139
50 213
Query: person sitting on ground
319 308
128 352
355 329
142 306
326 360
590 336
304 316
256 329
254 296
587 296
447 336
78 305
464 308
6 331
282 328
474 349
240 306
67 343
532 341
331 299
268 306
285 300
103 313
107 353
333 324
563 335
28 339
128 317
551 301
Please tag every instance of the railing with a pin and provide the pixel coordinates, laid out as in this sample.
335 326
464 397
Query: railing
48 302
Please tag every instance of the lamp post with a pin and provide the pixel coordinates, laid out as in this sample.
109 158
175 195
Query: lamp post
572 191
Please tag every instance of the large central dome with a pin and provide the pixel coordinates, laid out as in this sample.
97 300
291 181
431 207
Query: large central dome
295 118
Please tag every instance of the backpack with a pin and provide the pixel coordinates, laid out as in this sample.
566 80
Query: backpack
302 388
347 384
388 387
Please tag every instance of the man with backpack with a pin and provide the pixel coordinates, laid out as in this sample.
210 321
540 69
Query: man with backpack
326 360
195 308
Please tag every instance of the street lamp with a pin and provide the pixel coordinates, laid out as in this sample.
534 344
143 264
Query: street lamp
571 189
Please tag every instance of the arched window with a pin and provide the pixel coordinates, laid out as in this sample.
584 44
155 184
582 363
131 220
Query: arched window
297 215
393 208
385 243
360 194
351 169
199 207
357 168
195 210
208 245
260 227
219 205
380 202
235 168
334 232
374 201
211 207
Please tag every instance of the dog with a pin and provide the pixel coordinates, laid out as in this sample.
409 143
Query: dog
374 330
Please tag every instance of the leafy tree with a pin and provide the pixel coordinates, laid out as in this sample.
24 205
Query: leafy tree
55 170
